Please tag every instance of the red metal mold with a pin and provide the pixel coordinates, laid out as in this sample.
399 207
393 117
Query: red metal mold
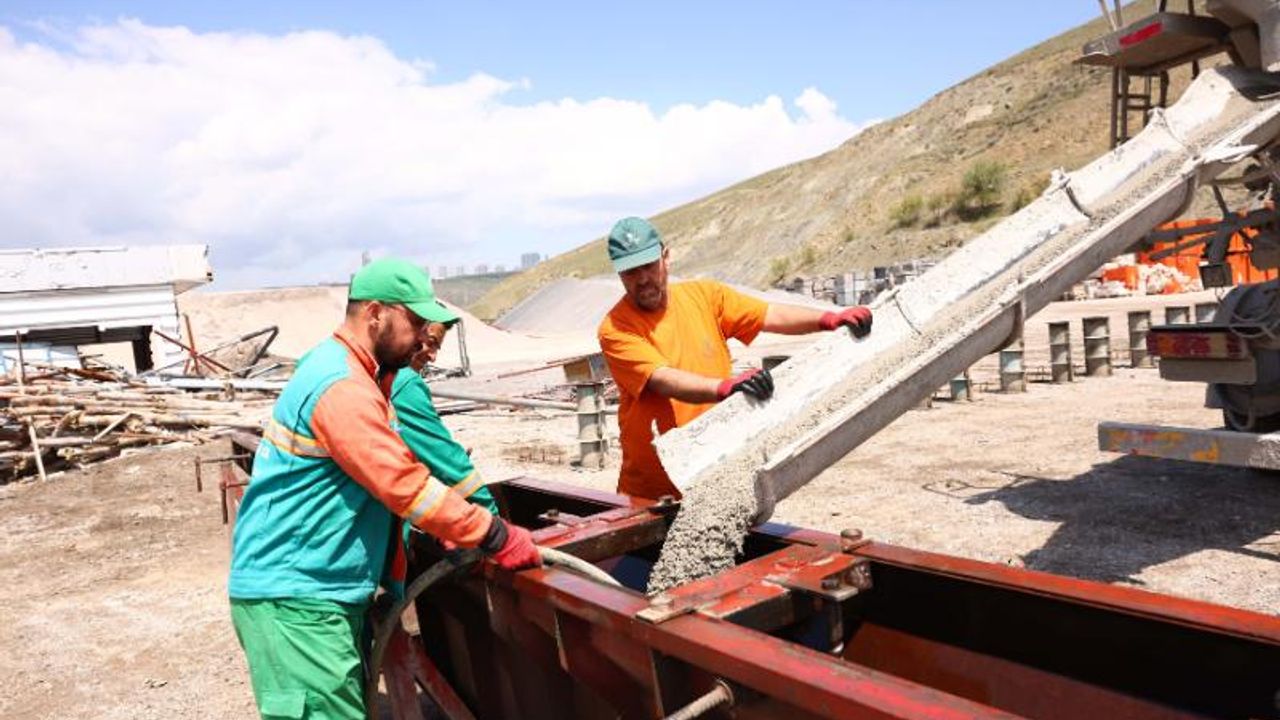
813 625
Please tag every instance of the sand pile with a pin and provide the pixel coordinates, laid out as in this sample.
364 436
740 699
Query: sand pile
569 305
308 315
574 306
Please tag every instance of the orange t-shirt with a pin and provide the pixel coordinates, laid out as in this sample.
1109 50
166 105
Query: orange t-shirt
689 334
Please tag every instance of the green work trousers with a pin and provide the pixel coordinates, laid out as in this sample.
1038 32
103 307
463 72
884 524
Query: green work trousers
304 657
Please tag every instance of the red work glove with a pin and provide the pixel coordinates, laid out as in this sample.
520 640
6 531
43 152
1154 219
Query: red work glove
511 546
755 382
857 319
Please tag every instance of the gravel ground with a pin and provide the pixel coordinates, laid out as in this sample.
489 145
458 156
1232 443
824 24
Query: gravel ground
113 579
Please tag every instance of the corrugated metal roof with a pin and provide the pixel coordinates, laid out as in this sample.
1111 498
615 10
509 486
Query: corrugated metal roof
103 308
34 270
85 316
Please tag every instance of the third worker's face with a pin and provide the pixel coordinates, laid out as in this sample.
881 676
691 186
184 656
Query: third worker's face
432 340
399 337
646 285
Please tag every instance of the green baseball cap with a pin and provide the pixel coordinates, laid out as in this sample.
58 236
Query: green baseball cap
400 282
633 242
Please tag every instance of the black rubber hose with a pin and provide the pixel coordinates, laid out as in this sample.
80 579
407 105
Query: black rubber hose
437 572
382 632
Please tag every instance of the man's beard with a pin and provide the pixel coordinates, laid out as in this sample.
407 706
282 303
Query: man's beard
384 353
651 297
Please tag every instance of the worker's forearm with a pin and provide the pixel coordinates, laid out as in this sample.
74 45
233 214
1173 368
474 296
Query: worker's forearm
791 319
683 385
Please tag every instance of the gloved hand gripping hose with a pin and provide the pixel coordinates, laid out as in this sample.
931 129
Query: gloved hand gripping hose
442 569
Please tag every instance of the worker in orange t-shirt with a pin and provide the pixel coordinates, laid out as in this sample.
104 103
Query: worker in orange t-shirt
666 348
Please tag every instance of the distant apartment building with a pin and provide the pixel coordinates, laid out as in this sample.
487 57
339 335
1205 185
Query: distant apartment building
460 270
499 268
528 260
442 271
482 268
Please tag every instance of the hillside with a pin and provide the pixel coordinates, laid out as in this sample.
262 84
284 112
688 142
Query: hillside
465 290
849 208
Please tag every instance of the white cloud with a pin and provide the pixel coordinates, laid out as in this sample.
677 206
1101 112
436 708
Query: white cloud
290 154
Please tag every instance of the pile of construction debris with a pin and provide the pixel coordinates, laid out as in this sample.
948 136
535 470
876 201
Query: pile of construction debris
66 417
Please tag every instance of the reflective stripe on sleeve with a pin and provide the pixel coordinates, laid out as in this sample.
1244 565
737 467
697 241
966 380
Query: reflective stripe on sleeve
292 443
427 501
470 485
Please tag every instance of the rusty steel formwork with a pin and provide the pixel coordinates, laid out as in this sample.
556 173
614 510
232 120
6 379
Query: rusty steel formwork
813 625
808 625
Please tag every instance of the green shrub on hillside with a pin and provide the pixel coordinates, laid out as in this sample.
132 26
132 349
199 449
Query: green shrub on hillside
808 256
907 212
980 190
1021 199
1028 192
778 269
937 209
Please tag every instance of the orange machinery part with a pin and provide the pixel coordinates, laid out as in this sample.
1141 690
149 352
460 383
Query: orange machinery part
1187 260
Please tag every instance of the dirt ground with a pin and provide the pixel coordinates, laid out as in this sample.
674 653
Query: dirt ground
112 579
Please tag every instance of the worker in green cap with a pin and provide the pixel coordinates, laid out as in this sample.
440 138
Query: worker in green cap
665 345
331 482
423 430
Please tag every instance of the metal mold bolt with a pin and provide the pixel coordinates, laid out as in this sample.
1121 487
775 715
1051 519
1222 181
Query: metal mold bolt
850 538
830 583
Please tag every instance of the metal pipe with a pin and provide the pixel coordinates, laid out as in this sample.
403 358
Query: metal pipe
591 442
1013 376
1106 15
213 384
720 695
1097 346
1205 312
1139 326
452 394
274 330
1060 352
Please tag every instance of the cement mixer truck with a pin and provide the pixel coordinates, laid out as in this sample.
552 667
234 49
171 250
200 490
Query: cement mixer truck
1236 352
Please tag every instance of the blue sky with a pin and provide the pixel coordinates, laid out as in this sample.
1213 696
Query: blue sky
678 99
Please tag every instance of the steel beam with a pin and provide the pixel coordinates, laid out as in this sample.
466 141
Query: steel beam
1215 447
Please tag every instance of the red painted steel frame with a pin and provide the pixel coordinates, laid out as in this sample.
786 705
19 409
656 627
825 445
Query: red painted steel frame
912 634
597 651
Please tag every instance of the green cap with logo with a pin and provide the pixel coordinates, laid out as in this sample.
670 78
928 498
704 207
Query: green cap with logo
400 282
633 242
